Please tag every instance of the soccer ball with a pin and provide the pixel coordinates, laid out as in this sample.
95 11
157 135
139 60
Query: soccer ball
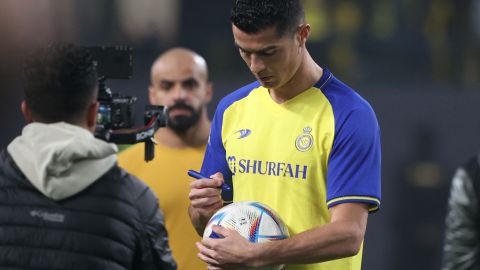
254 221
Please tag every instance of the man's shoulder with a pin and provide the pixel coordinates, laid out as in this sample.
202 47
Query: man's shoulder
237 95
9 171
121 183
5 160
343 98
134 190
131 156
131 150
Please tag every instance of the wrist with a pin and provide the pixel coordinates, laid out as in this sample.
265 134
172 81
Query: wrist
198 220
258 255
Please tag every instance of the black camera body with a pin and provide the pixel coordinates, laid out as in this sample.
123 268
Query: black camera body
115 112
115 117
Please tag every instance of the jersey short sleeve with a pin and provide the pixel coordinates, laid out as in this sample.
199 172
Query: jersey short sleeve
353 173
215 154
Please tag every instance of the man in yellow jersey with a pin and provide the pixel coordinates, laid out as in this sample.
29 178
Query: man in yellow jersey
179 80
298 140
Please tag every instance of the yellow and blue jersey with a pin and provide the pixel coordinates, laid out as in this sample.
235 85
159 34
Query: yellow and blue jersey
316 150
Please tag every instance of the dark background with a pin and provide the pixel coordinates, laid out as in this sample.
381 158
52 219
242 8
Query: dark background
417 62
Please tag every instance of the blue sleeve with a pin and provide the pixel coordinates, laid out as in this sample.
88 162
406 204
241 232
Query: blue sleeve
214 160
354 163
215 154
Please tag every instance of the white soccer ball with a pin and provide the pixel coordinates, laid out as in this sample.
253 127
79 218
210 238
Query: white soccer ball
254 221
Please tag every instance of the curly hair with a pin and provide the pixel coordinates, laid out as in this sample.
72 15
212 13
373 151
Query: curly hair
60 83
252 16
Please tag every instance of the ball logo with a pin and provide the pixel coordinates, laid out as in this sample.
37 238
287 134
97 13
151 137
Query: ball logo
304 141
254 221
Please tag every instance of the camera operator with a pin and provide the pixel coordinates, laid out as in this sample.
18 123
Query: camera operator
65 203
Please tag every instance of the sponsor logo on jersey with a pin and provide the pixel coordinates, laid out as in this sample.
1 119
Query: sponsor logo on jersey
270 168
232 164
242 133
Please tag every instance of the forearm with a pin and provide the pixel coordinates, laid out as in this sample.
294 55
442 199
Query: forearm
199 221
205 200
331 241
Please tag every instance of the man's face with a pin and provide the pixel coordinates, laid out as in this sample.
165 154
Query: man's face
273 60
181 84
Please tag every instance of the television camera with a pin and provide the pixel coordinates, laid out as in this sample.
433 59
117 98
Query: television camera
115 117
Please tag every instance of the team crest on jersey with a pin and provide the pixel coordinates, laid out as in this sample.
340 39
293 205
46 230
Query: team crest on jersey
304 141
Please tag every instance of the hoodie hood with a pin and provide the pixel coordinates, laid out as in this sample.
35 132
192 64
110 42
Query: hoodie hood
61 159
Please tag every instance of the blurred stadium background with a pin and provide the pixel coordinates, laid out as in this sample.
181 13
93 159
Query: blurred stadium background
417 62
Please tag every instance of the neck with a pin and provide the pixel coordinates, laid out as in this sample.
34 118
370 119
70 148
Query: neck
307 74
195 136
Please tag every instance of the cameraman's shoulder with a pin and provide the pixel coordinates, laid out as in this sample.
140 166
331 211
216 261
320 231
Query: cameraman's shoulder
129 189
4 160
127 181
8 167
118 183
3 156
140 194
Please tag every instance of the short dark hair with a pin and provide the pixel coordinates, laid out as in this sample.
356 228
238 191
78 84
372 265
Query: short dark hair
60 83
252 16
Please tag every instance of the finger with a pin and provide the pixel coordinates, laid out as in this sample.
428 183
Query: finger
222 231
206 183
209 211
212 244
204 192
213 267
207 243
208 202
206 254
214 206
217 176
204 200
206 259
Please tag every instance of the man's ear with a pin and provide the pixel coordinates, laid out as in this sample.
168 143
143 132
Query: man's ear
303 33
92 116
209 91
27 113
151 95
